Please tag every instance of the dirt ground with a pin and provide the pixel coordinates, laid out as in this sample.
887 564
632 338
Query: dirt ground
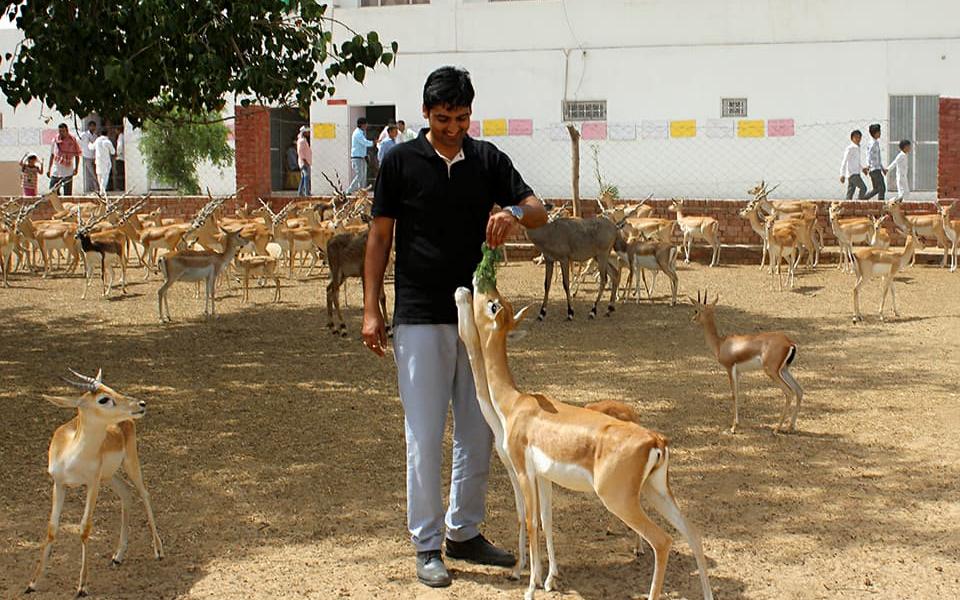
274 451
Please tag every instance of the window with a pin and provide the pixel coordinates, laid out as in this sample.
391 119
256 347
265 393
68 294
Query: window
917 118
391 2
733 107
584 110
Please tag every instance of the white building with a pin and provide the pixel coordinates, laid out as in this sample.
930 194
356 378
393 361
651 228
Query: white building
650 84
799 75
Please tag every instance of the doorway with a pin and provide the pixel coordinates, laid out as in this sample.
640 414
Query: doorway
285 124
378 117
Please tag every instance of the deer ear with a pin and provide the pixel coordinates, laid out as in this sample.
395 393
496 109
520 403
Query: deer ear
61 401
521 314
716 299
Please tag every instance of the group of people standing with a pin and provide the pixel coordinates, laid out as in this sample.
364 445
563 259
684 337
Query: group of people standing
392 134
851 167
96 150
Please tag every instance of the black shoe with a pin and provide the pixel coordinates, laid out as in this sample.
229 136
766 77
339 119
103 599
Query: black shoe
478 550
430 569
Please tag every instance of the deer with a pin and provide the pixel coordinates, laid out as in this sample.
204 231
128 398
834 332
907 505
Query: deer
801 227
57 235
576 240
804 210
263 266
951 228
927 225
87 451
196 265
107 244
543 441
345 254
773 352
783 244
855 230
885 264
705 228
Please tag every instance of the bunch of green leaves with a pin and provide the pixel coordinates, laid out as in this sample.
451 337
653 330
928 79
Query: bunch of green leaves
485 276
142 59
173 147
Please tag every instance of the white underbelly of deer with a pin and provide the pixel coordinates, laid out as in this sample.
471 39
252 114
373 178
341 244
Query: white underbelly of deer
572 477
753 364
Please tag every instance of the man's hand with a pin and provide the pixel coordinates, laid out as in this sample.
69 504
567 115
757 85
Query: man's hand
866 171
374 331
884 171
499 227
842 179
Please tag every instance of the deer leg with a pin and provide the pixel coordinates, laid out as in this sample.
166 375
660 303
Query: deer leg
883 296
527 481
797 392
545 491
88 275
120 487
893 296
547 280
856 299
86 528
212 293
565 280
775 376
763 254
53 527
626 506
131 465
656 491
614 276
734 377
942 242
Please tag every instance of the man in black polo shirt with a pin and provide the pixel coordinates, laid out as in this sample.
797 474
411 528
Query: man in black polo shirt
437 192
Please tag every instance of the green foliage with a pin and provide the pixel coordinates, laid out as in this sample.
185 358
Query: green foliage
485 277
607 190
173 149
142 59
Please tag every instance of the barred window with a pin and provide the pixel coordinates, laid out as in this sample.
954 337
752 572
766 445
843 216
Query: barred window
733 107
365 3
917 118
585 110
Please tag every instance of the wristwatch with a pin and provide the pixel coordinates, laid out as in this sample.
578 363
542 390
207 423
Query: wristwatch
516 211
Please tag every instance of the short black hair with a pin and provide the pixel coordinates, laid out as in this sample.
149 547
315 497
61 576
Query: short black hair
904 144
874 128
856 132
391 127
103 131
62 126
401 122
448 87
361 121
89 123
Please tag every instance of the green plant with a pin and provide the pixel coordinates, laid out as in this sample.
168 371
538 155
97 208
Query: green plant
173 147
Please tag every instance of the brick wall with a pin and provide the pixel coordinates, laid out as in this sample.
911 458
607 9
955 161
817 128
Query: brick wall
948 179
252 152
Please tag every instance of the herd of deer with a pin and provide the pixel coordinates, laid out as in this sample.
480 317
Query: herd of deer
628 236
113 230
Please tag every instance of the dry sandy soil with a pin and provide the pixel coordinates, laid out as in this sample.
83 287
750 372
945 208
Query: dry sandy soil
274 451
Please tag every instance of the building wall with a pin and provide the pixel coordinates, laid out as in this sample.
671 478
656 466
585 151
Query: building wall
822 64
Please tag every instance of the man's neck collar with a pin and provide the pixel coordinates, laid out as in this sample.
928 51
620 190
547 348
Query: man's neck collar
445 152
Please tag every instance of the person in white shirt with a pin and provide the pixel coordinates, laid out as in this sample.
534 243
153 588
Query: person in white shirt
902 164
103 151
404 134
87 138
392 140
383 133
850 167
875 165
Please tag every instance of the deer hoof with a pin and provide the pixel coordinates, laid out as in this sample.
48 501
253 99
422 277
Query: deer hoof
30 589
115 563
81 593
542 315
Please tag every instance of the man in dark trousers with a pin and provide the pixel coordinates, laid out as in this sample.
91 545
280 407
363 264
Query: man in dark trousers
875 167
437 193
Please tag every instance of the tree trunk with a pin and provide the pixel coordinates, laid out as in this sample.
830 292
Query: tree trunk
575 158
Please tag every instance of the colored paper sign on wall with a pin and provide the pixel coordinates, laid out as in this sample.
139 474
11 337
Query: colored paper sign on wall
10 137
494 127
47 136
559 133
622 131
29 136
719 128
474 130
781 128
324 131
750 128
594 130
683 129
654 130
520 126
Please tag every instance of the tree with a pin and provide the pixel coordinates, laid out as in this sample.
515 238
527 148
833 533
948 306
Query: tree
174 147
159 59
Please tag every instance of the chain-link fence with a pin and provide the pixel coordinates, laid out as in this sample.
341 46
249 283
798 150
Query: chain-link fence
712 160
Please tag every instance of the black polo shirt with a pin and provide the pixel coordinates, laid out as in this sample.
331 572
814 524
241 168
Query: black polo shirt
441 220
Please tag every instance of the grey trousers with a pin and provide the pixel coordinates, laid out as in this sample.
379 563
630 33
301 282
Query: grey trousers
432 370
89 176
879 185
359 174
855 182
